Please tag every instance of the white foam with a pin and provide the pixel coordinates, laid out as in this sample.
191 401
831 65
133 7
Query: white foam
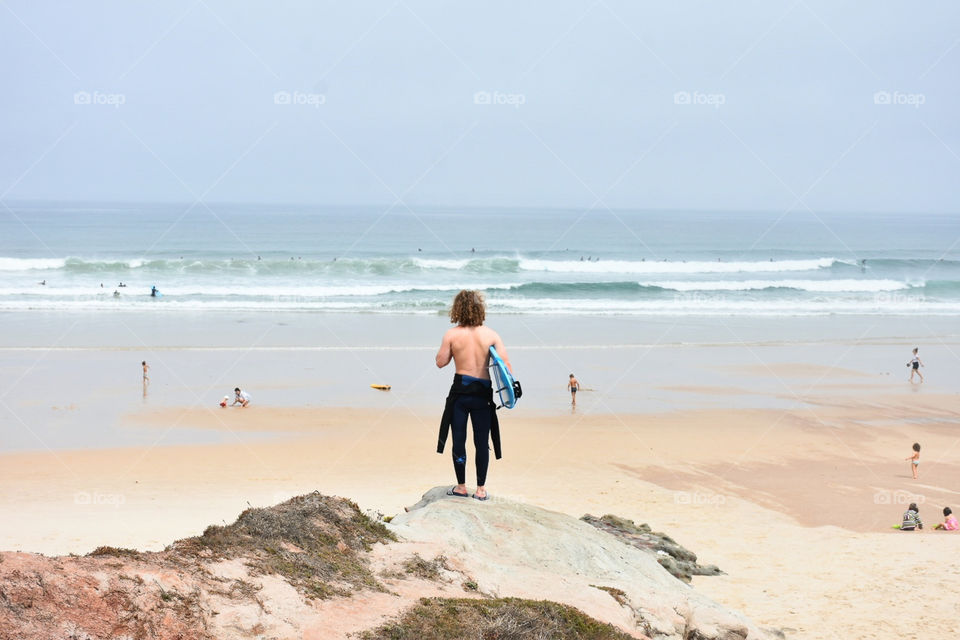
28 264
834 286
242 290
650 266
683 305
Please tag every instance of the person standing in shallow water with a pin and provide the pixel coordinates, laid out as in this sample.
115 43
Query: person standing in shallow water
573 386
471 395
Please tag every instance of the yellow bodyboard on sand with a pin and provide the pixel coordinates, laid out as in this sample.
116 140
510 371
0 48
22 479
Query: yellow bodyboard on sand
382 387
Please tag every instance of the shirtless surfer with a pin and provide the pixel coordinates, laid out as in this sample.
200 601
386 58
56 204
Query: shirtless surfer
468 345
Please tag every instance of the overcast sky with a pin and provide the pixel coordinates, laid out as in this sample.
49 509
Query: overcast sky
764 105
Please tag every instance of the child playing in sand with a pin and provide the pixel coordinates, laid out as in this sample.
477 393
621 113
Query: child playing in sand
949 521
911 519
915 461
242 397
146 368
573 386
915 365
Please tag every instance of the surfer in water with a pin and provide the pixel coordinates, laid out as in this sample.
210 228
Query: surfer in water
468 345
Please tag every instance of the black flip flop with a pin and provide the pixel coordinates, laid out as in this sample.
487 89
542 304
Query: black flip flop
483 499
451 492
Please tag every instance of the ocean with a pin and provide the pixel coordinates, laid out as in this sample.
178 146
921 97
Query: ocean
397 260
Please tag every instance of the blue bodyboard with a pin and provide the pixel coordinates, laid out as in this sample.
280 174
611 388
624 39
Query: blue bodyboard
504 386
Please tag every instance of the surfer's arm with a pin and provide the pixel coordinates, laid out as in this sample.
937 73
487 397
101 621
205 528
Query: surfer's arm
445 354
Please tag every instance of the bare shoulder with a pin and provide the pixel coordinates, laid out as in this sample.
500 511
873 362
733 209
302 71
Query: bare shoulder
488 333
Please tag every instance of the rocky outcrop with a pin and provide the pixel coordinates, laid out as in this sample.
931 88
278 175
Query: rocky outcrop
679 561
315 567
515 549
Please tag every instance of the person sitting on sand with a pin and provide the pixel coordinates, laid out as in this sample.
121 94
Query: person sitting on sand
468 345
911 519
915 365
915 461
949 521
573 386
242 397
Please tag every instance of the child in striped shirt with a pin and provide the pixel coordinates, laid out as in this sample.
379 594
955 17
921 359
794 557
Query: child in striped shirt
911 519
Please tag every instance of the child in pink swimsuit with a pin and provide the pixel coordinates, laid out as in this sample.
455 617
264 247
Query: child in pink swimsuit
949 521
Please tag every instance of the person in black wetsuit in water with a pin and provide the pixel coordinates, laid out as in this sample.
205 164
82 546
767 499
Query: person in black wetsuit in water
468 345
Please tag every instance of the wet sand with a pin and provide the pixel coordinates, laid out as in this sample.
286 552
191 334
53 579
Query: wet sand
789 477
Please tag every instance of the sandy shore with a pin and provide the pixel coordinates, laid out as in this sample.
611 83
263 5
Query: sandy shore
781 460
795 505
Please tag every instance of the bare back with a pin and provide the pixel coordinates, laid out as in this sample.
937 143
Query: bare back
469 347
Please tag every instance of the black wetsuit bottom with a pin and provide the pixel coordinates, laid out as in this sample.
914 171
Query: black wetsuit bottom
478 410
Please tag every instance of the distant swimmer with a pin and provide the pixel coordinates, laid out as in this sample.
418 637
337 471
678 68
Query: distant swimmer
116 294
915 365
153 291
573 386
42 282
121 285
241 397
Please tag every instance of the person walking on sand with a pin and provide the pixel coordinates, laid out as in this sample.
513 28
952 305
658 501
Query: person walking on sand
471 395
915 461
241 397
915 365
573 386
146 376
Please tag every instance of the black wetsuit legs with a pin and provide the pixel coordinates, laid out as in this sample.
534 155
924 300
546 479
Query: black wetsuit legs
478 409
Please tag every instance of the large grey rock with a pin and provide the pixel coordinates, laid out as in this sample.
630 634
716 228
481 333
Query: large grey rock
514 549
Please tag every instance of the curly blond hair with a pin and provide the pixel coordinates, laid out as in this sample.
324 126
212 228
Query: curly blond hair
469 309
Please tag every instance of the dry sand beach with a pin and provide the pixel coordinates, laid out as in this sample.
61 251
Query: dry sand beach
791 487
